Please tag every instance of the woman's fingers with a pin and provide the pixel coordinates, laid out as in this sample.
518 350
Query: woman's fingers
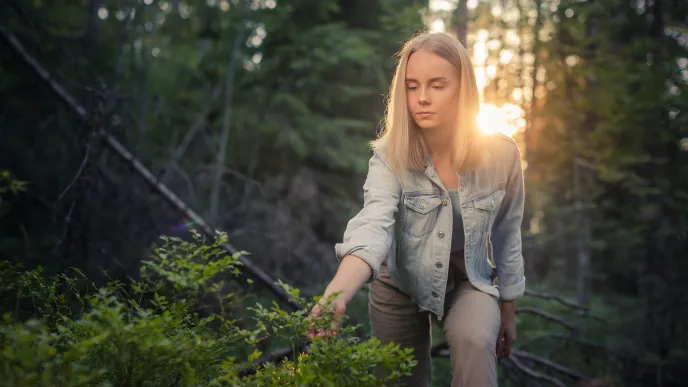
312 331
320 310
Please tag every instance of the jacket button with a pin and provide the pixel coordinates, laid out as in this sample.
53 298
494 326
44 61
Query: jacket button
438 265
440 234
444 202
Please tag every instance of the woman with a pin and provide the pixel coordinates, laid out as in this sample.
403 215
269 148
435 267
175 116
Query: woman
439 233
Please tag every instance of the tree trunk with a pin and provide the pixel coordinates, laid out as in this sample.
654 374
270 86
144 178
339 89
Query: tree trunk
462 22
226 120
583 174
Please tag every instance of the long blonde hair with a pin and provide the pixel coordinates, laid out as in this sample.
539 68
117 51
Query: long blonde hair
404 147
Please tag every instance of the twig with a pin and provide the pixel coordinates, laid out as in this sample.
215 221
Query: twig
68 220
76 176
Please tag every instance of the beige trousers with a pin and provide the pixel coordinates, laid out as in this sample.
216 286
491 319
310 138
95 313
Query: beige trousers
471 326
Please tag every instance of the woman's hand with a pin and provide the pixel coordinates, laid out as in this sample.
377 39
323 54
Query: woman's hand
353 272
507 329
336 310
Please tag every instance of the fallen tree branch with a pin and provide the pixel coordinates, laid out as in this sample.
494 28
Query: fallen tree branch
534 374
549 364
561 300
442 350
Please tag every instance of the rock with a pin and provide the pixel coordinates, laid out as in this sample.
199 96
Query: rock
304 197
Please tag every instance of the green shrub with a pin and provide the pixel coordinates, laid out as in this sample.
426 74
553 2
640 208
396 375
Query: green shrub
175 325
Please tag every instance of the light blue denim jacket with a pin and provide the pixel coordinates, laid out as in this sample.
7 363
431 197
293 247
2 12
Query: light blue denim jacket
410 224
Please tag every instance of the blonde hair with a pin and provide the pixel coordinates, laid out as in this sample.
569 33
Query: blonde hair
404 147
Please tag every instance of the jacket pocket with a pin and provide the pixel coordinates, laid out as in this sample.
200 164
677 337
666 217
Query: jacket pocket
487 206
420 212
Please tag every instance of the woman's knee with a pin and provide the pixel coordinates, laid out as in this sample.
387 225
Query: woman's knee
466 340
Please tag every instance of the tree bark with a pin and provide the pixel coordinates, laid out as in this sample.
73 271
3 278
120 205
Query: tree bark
583 174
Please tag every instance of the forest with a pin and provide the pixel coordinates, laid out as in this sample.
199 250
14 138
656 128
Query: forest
174 175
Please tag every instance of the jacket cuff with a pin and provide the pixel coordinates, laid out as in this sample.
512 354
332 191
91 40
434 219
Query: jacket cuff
512 292
342 250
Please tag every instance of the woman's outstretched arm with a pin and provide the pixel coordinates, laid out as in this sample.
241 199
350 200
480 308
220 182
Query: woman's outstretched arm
368 236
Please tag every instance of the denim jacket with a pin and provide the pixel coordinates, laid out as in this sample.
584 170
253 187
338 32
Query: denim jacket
410 224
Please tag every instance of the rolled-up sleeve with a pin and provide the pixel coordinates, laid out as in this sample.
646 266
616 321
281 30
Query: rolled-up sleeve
369 233
506 233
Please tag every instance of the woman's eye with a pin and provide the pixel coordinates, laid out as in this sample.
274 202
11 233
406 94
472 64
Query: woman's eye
411 88
438 87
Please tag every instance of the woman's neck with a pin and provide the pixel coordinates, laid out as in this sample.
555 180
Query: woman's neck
439 143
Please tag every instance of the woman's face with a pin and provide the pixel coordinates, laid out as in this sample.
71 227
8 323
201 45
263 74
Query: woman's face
432 91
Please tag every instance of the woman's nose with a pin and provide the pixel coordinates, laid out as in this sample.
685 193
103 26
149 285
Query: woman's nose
424 98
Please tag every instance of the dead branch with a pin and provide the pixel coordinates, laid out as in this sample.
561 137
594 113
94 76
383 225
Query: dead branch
134 163
68 221
546 296
76 176
534 374
561 300
190 134
569 337
545 315
41 72
549 364
442 350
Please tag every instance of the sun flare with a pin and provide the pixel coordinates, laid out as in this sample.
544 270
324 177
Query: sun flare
507 119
